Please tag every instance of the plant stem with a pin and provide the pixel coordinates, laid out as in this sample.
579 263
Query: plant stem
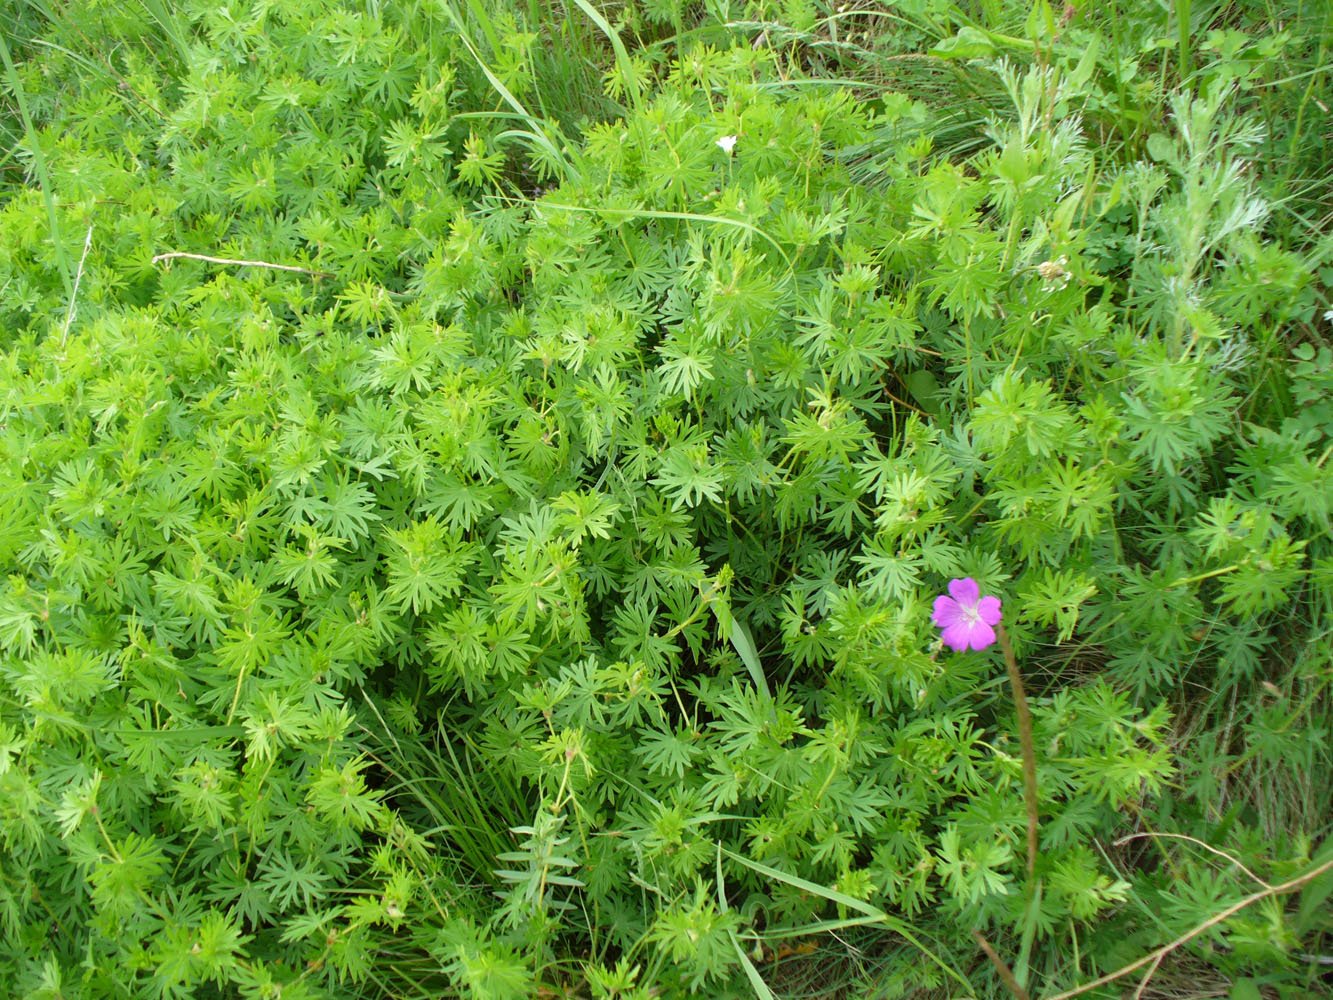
1006 974
1217 918
182 255
1183 38
1025 738
1187 580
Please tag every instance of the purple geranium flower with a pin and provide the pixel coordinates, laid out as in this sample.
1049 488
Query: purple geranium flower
966 617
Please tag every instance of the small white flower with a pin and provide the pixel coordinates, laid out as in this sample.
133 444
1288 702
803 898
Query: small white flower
1328 316
727 143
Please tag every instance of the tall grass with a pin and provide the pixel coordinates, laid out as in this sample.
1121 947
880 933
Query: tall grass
39 166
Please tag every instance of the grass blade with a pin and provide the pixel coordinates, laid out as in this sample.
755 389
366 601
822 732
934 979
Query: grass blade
744 644
39 165
850 902
623 62
648 213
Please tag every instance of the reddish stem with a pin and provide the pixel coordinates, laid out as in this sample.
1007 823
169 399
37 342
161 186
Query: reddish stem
1025 739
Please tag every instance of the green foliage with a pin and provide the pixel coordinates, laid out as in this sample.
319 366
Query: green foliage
494 554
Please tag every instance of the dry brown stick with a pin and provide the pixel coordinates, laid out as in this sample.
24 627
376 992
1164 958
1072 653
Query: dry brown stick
1193 840
1154 957
1005 973
240 263
903 402
1025 739
1143 984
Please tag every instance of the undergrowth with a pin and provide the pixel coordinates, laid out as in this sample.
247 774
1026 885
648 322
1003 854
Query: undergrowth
476 479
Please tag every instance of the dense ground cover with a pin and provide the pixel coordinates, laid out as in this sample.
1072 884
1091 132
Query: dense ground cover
475 482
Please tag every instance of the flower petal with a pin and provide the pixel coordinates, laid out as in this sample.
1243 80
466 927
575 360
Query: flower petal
980 635
947 612
989 610
957 636
965 591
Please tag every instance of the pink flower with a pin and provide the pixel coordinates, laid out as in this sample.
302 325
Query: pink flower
966 617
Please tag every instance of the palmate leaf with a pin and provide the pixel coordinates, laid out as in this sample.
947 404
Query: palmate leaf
508 650
687 476
459 501
1016 411
342 795
973 872
426 564
311 567
615 497
891 572
18 623
668 753
130 871
587 515
290 883
246 645
698 936
348 509
688 365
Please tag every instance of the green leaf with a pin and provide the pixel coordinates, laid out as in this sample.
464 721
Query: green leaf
744 645
1161 149
969 43
1316 893
1082 74
1041 24
756 981
925 389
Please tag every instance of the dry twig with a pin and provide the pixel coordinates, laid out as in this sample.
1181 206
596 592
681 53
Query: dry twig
1155 957
1194 840
240 263
1006 974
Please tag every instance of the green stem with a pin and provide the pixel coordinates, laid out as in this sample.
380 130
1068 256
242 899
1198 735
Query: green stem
1183 38
1186 581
